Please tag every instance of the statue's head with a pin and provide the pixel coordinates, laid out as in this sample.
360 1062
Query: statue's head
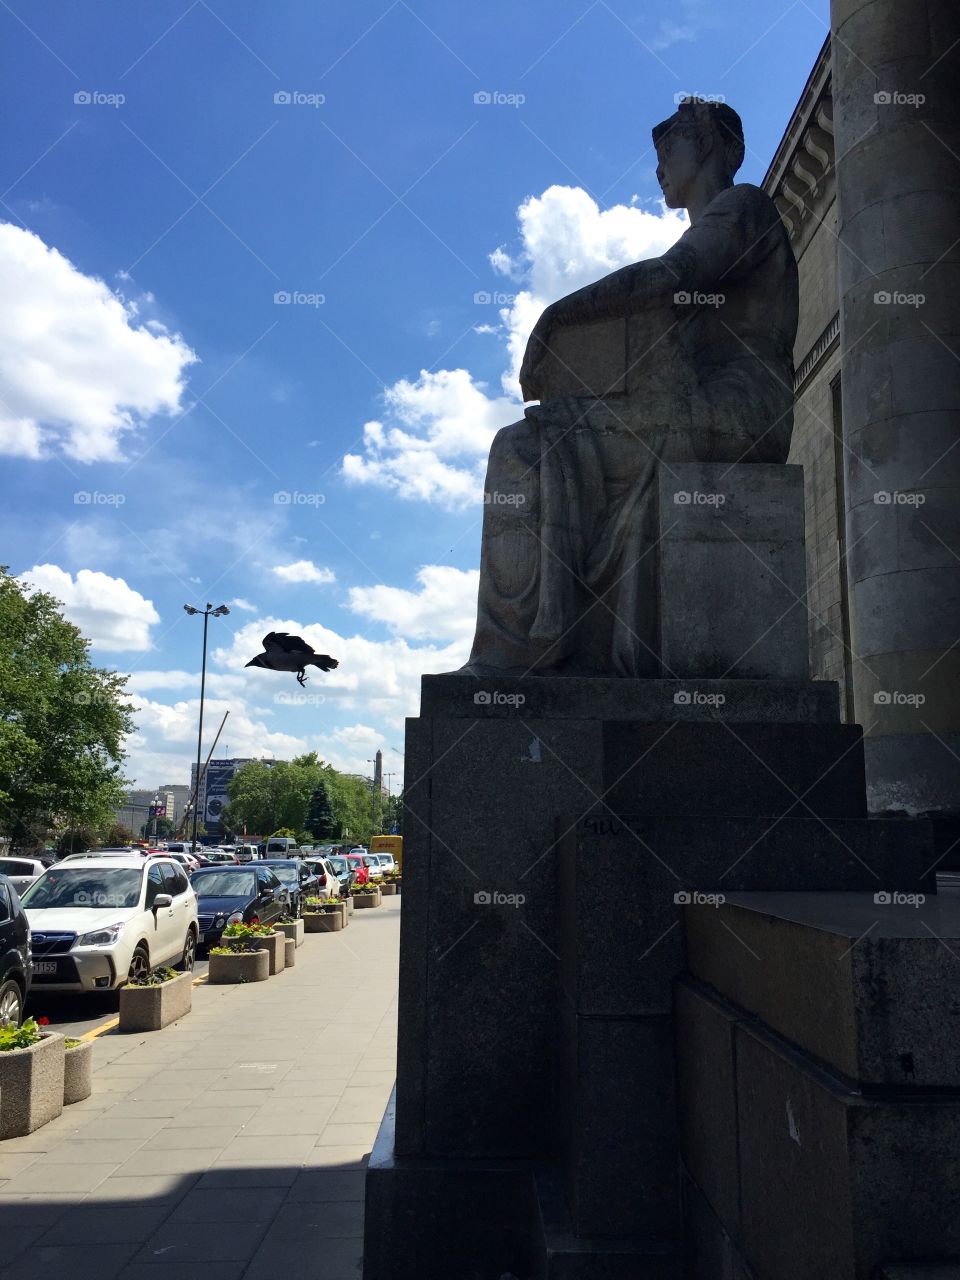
699 136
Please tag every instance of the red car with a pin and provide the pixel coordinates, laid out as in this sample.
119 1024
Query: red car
358 865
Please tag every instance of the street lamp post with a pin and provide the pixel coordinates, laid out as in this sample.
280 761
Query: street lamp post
220 611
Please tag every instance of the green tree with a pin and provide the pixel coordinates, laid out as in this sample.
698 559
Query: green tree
321 823
162 828
78 840
62 721
113 835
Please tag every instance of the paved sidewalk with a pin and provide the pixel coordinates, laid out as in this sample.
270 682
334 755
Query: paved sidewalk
228 1146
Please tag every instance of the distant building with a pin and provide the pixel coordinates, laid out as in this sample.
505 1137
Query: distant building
177 794
213 789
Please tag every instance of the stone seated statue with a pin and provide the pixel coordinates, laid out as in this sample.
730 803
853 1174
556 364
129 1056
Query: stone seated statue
683 358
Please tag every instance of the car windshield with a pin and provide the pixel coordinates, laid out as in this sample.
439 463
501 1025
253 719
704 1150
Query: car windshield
224 883
340 865
371 861
85 887
288 874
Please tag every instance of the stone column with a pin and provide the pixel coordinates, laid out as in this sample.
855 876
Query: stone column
896 90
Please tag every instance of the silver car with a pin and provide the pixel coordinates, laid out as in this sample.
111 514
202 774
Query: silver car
21 872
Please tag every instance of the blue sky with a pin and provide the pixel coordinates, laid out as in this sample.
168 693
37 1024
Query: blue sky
160 404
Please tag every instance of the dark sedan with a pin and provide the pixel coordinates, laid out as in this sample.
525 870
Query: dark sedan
15 965
235 895
298 878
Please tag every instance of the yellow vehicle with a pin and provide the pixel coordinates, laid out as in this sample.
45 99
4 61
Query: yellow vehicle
389 844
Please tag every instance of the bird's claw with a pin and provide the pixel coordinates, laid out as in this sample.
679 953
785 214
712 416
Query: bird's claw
301 679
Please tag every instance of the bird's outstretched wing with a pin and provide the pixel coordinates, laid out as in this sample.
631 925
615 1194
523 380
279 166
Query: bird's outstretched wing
287 643
325 662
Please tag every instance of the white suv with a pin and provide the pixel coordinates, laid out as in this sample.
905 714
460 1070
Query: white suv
95 922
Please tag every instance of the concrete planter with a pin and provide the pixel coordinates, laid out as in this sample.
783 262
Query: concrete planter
152 1008
346 909
77 1072
365 900
294 930
289 952
273 944
31 1086
239 966
324 921
389 889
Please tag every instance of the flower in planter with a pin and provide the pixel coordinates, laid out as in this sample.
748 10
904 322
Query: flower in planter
242 937
70 1043
22 1037
359 889
322 904
155 978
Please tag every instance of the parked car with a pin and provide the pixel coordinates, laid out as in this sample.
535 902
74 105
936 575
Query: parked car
21 872
280 847
359 867
299 880
216 857
95 922
246 852
374 870
329 883
386 861
189 861
15 964
344 872
235 895
181 846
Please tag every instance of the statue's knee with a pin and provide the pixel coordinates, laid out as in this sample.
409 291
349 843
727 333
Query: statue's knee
513 446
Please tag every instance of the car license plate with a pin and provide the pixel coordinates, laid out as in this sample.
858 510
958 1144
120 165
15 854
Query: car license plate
44 966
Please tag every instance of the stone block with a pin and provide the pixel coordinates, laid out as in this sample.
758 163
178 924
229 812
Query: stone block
77 1072
273 944
292 929
834 1182
711 1253
732 571
619 1166
747 770
289 952
469 697
31 1086
707 1102
152 1008
866 987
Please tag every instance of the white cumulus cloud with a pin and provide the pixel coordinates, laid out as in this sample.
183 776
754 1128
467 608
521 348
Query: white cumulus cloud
107 610
444 608
432 445
303 571
78 372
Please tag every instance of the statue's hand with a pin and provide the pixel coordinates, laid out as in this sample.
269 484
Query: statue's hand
538 345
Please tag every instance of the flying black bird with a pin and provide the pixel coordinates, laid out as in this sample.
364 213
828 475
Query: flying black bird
283 652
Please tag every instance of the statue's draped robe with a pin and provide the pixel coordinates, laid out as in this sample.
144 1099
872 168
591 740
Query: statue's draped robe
567 574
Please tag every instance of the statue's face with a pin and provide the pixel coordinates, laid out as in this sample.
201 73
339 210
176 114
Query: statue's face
677 167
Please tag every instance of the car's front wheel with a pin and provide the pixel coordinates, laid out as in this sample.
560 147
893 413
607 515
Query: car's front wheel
139 964
189 953
11 1004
